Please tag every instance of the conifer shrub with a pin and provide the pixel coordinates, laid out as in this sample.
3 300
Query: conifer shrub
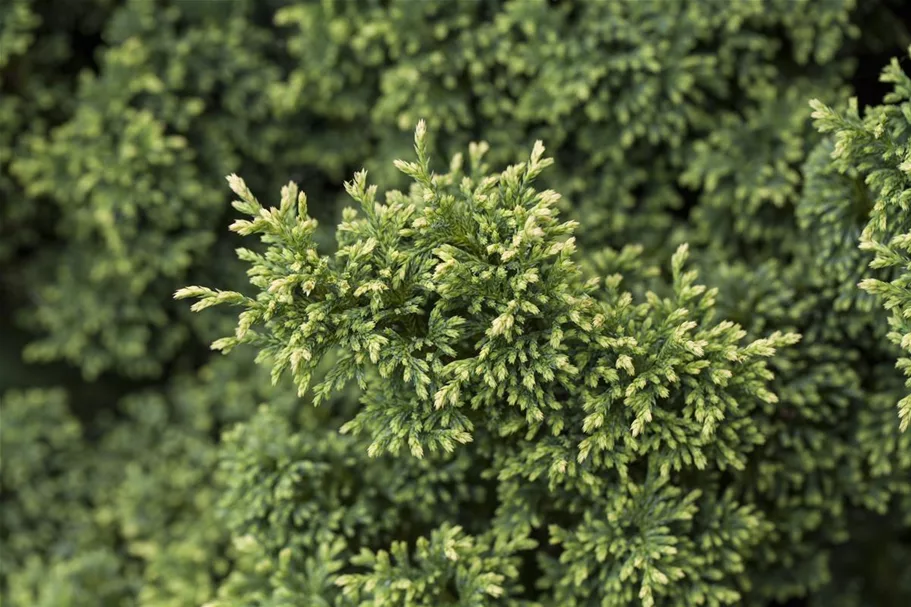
666 364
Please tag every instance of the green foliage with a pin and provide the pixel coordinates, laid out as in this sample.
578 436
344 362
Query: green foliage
876 147
186 92
449 568
133 514
526 398
663 386
129 234
39 59
41 440
649 543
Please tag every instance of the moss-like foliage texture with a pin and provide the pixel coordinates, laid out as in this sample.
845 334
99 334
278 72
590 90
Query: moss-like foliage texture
665 364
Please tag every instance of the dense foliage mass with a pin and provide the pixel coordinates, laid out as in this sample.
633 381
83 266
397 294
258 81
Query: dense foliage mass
668 363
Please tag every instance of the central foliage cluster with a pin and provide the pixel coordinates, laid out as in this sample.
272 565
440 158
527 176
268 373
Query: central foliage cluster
464 315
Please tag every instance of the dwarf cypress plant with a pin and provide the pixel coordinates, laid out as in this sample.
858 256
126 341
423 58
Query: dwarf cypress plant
525 398
628 433
876 150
